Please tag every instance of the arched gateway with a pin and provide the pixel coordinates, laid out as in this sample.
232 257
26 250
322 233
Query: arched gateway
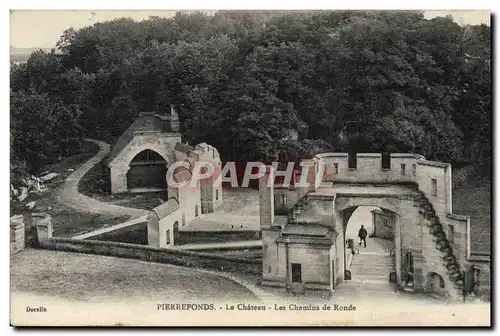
304 243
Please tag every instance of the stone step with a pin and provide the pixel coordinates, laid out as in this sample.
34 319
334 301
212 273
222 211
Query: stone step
375 263
370 266
366 267
352 290
369 269
370 258
358 274
362 252
374 280
372 261
374 276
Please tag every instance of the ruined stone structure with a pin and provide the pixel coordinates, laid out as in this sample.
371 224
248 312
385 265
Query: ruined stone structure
139 163
163 223
305 249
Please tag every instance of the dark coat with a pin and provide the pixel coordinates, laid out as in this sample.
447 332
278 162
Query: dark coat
362 233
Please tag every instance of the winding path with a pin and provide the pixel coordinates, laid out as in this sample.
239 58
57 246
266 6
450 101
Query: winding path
70 195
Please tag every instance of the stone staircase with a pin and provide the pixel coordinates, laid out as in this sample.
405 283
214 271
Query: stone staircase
372 267
370 276
443 246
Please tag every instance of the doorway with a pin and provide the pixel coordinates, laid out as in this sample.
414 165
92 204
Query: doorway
296 273
375 262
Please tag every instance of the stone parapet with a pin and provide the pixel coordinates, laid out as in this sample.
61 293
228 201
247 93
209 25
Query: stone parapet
43 223
17 232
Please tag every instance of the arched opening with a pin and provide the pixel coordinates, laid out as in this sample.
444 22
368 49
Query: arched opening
435 284
147 172
175 229
369 243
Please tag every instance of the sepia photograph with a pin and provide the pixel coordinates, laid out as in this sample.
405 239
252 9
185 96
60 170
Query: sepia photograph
247 168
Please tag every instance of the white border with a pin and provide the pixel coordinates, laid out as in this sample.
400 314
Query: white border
187 4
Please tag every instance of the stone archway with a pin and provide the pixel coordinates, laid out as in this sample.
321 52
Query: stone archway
386 248
401 206
147 172
175 232
435 284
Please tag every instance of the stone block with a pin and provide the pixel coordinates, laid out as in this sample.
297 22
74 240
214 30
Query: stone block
44 228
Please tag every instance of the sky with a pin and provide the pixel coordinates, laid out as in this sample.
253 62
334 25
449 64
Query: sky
42 28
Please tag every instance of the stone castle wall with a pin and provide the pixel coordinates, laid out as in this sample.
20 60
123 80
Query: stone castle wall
411 233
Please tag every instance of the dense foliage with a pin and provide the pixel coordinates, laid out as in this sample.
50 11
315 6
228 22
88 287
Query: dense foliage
244 81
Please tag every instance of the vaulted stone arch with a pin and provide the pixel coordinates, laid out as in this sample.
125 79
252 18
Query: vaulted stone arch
399 205
386 202
147 171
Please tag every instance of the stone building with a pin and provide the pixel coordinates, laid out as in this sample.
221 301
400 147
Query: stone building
303 228
139 163
139 160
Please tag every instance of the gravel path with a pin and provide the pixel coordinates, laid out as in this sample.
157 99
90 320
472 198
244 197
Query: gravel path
71 197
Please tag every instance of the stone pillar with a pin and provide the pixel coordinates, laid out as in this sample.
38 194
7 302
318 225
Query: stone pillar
448 187
308 177
153 230
16 234
340 243
398 244
266 200
271 263
118 179
419 277
207 195
43 223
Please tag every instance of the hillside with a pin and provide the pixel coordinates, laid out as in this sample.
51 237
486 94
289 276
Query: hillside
18 54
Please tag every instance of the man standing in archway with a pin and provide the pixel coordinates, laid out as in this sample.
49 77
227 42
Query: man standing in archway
362 235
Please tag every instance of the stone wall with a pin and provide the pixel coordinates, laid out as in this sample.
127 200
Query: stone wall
434 179
147 253
17 232
273 258
277 260
314 261
284 200
430 261
483 291
211 194
266 202
167 228
189 202
383 225
369 168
